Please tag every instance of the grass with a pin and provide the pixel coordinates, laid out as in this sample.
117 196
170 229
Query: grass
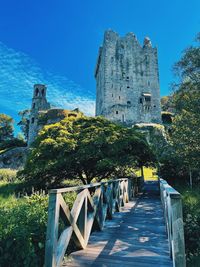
150 174
23 223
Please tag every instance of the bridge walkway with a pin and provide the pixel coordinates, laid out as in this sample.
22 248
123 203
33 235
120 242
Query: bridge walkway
135 237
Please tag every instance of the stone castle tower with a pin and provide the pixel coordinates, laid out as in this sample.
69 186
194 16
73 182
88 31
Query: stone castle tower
39 103
127 80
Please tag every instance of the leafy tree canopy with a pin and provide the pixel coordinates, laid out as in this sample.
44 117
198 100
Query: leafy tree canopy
24 122
185 131
6 127
85 149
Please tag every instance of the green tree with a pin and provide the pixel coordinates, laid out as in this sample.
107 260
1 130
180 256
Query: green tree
185 131
6 127
24 122
84 149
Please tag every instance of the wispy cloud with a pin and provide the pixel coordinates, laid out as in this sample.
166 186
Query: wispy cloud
18 74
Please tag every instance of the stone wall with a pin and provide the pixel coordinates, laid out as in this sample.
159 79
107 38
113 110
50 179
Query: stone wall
127 80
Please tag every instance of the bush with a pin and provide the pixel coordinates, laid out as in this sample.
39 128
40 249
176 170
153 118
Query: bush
22 231
8 175
23 224
191 217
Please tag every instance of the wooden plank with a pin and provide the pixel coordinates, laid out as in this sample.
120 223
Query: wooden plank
52 230
130 239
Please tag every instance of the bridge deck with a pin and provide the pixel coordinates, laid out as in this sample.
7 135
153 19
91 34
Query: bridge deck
135 237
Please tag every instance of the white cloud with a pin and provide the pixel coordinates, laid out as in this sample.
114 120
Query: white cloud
18 74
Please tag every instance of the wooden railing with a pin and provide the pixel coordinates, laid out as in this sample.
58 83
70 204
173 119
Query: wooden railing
93 204
172 205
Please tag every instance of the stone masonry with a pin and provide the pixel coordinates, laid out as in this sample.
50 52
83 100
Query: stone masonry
39 103
127 80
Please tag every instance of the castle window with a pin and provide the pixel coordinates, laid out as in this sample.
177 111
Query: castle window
123 118
128 102
154 106
116 111
141 100
36 92
119 97
127 78
148 82
32 120
147 98
33 106
128 86
112 95
141 73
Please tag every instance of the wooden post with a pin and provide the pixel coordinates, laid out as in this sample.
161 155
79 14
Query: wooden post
178 243
172 205
52 230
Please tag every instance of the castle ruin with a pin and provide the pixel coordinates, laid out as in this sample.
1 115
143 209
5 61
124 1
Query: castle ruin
42 114
39 103
127 80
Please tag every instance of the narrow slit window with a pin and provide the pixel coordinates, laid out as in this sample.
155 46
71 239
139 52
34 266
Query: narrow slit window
119 97
116 111
36 92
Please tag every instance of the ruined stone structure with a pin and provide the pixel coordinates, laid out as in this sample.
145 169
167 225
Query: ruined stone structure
42 114
39 103
127 80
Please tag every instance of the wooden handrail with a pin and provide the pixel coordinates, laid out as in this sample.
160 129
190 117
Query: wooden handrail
172 205
94 203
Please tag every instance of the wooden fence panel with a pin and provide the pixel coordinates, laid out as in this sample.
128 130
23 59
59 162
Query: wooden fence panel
93 205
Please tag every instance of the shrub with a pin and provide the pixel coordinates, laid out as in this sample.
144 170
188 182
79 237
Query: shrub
8 175
23 224
191 216
22 231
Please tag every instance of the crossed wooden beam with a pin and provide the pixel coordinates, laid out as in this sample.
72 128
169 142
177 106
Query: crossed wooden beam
93 205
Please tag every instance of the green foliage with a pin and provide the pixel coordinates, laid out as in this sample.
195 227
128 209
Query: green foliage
6 127
8 175
23 223
191 217
84 149
24 122
167 103
22 231
185 134
14 142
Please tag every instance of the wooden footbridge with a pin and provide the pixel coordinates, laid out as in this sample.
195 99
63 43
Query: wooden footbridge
116 223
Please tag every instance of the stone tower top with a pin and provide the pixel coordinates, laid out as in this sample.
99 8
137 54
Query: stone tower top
39 103
39 90
127 80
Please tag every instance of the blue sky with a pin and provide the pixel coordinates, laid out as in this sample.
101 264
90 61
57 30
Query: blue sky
56 42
